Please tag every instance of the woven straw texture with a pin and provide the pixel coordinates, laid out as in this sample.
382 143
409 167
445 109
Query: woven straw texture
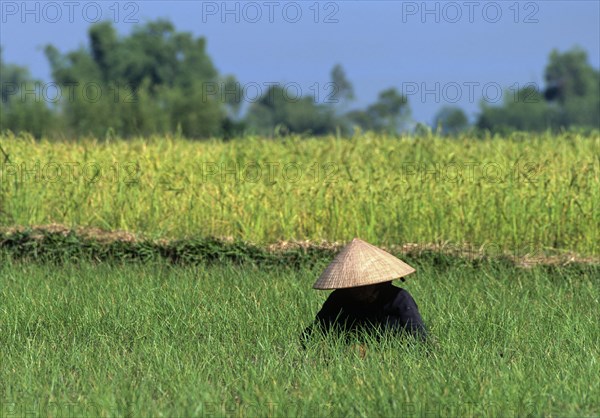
360 264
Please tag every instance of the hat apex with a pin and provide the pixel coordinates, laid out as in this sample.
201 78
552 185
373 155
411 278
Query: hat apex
359 264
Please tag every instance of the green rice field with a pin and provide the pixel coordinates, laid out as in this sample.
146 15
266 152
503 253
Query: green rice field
159 340
166 277
530 191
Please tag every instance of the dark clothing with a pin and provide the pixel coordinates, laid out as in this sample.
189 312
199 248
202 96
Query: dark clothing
393 309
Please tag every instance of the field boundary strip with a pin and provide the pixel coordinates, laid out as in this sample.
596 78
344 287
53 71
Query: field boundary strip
59 242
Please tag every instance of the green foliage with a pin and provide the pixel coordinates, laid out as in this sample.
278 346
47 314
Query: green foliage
525 110
571 99
152 339
12 78
569 75
21 106
28 115
343 91
388 114
451 120
156 80
277 110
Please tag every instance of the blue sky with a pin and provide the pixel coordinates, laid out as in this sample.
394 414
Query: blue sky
437 53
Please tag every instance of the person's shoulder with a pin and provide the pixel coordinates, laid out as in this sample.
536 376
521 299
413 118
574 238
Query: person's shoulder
395 291
401 296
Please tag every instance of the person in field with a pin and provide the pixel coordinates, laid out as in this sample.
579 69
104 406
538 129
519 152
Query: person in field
364 297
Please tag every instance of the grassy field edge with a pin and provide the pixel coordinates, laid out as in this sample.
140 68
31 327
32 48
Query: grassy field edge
58 243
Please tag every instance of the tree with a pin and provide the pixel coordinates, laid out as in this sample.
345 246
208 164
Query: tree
524 111
275 110
12 78
22 107
103 44
574 86
571 98
569 75
154 80
343 91
451 120
388 114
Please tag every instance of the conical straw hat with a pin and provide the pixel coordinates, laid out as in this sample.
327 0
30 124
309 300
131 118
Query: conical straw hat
360 264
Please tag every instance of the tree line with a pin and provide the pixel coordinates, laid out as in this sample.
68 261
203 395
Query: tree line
157 80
